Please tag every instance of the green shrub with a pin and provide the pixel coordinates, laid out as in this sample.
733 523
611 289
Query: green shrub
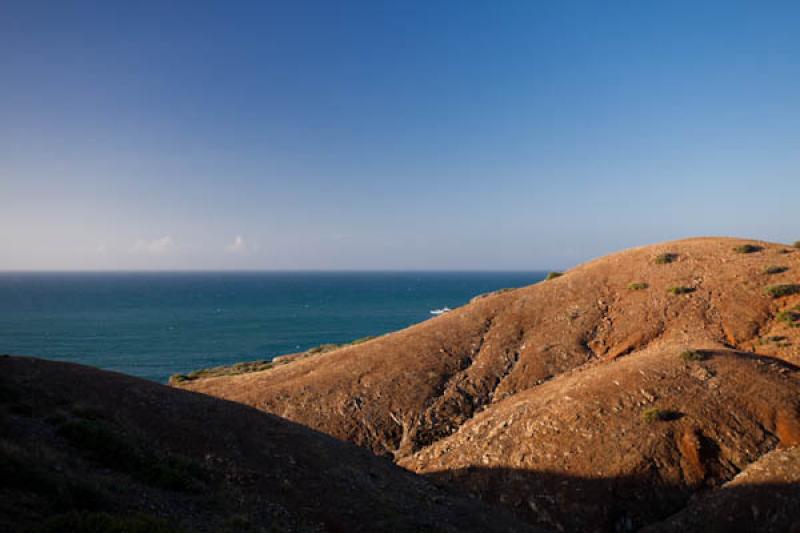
260 365
778 291
664 259
747 249
230 370
775 269
553 275
637 286
681 290
790 317
693 355
653 414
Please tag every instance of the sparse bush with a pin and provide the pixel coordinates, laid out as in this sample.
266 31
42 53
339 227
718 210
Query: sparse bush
747 249
681 290
777 339
796 244
492 293
653 414
231 370
693 355
779 291
260 365
363 340
553 275
637 286
323 348
790 317
775 269
663 259
329 347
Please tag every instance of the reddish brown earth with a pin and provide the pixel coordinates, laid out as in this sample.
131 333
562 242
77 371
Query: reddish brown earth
535 398
83 450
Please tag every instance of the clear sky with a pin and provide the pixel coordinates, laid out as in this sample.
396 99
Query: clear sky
391 135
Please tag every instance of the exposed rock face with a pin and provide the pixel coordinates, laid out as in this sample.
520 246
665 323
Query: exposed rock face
536 398
87 450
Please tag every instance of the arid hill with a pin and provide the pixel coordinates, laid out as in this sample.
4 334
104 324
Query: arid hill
636 386
83 450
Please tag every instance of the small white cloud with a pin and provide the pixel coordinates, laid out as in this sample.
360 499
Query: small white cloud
237 246
157 246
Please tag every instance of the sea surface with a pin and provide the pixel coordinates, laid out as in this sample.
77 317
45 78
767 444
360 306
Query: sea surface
153 325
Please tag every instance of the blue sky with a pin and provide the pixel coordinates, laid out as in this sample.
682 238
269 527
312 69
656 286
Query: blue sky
391 135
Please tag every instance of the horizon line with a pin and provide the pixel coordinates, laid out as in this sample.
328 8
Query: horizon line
265 271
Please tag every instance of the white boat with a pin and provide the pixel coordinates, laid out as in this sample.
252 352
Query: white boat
440 311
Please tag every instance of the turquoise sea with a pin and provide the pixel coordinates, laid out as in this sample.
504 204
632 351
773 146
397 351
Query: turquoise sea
155 324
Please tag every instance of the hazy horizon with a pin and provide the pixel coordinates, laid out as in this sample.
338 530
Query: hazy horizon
384 136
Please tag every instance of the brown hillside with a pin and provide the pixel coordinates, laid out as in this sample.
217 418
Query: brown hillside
403 391
572 401
87 450
622 443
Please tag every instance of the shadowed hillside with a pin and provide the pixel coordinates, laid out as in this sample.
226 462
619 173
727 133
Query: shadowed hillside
87 450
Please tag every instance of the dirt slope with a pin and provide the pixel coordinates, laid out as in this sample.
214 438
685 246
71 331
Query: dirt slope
538 398
87 450
623 444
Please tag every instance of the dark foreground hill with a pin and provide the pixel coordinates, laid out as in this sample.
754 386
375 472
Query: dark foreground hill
87 450
638 389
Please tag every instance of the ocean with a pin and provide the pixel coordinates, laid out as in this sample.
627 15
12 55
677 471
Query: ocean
153 325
